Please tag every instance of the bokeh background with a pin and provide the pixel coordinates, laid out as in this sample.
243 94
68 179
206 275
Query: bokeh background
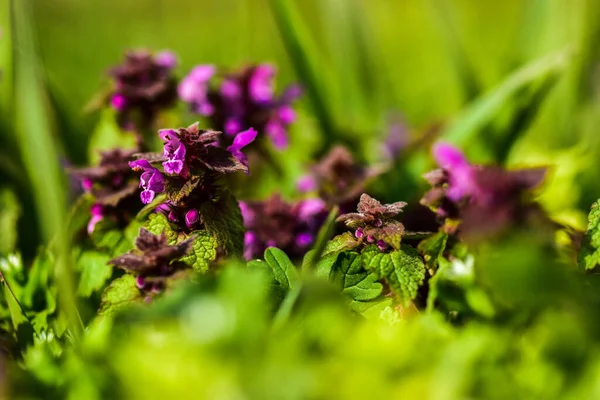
512 82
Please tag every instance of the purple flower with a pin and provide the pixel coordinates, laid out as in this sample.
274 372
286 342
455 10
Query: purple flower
243 99
166 59
241 140
307 183
174 151
461 181
97 215
192 217
291 227
193 89
118 102
151 180
261 84
143 86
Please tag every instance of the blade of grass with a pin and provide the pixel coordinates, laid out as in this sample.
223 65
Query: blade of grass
482 110
40 156
304 54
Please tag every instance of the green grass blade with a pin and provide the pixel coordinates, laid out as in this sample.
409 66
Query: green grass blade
304 55
40 155
481 111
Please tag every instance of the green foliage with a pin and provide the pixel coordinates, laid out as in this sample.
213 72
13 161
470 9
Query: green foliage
408 273
589 255
204 249
223 220
9 215
433 247
95 271
157 223
121 293
354 281
284 271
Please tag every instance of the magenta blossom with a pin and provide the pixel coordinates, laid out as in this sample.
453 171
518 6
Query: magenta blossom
151 180
174 152
461 181
241 140
193 89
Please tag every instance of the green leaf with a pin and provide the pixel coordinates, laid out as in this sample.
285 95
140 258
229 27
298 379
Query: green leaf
80 214
10 211
95 271
355 282
433 247
589 255
204 249
343 242
408 273
284 270
157 223
377 262
120 294
223 219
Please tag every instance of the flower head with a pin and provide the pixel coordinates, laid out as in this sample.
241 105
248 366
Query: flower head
241 100
374 221
482 198
240 141
154 260
143 85
290 226
151 180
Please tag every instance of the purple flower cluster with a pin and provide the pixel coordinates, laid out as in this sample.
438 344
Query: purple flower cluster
291 227
188 170
113 186
338 179
484 199
143 85
241 100
153 261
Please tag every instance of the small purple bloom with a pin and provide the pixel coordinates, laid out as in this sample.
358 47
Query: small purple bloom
87 184
174 151
192 217
166 59
194 87
461 180
232 126
304 239
370 239
307 183
261 84
97 215
248 214
231 89
309 208
140 282
286 114
381 245
277 132
359 233
151 180
241 140
118 101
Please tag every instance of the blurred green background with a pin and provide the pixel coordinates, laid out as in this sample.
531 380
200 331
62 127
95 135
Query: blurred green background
512 82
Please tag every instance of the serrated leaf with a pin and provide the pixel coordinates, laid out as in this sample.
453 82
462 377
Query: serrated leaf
121 293
433 247
95 271
408 273
177 194
204 249
284 270
157 223
377 262
355 282
589 255
343 242
223 219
